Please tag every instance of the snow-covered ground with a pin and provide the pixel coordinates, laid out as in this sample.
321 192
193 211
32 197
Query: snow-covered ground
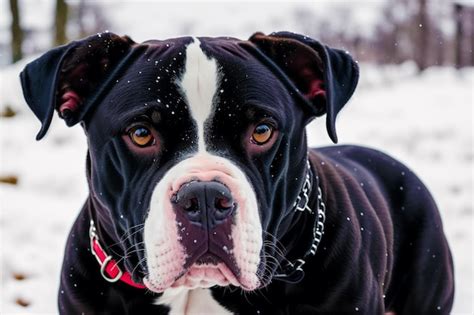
426 121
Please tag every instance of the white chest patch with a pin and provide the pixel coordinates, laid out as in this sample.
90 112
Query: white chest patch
183 301
199 85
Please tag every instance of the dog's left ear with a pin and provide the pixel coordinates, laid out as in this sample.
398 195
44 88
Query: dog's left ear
72 77
325 77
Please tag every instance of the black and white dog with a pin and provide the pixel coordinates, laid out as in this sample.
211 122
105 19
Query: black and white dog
205 199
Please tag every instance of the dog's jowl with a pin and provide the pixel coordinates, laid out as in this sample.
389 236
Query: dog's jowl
204 197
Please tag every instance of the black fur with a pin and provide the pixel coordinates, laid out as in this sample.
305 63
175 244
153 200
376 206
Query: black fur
383 247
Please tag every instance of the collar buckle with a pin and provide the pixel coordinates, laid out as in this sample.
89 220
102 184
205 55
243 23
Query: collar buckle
107 272
103 270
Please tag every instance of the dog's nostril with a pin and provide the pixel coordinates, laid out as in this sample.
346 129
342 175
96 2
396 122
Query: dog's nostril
223 203
191 204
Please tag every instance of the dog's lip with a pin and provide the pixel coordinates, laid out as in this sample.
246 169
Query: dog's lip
225 271
221 268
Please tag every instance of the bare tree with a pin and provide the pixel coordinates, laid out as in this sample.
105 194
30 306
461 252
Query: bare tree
60 22
408 30
16 32
421 48
472 38
458 16
87 18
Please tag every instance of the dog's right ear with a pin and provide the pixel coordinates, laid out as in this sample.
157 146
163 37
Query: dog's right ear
323 76
71 78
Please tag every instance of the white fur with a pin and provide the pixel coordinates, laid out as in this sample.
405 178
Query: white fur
165 255
182 301
199 85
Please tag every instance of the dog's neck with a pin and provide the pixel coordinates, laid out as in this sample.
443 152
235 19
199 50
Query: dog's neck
300 225
101 218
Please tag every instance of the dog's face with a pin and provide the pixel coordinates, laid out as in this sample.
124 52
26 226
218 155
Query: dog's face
197 148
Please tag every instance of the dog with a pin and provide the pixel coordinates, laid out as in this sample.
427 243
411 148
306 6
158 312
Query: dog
205 198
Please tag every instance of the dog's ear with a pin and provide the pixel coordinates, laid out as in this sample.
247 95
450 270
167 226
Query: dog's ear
325 77
72 77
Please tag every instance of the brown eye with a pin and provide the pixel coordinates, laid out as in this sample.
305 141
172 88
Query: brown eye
262 133
141 136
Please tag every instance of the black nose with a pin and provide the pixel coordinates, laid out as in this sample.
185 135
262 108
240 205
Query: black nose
206 204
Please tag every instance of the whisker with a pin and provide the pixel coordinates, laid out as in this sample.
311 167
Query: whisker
138 264
124 237
128 233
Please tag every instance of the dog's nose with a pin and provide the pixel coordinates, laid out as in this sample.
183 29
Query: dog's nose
204 203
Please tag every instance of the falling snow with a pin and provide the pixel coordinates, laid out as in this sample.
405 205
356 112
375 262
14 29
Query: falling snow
405 115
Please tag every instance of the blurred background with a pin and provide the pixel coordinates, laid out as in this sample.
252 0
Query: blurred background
428 32
414 101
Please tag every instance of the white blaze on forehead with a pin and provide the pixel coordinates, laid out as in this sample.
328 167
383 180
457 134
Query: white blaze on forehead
199 84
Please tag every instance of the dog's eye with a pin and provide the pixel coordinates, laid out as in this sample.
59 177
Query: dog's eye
141 136
262 133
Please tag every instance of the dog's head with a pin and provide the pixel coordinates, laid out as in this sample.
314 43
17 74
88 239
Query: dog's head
197 145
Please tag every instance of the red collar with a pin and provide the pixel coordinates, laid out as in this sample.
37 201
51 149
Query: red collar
109 269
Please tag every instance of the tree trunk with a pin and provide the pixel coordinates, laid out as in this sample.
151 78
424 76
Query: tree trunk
16 32
60 22
472 38
421 48
458 10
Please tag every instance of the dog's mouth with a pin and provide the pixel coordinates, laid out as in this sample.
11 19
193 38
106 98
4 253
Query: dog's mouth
206 271
203 258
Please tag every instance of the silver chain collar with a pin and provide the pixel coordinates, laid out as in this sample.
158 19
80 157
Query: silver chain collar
293 272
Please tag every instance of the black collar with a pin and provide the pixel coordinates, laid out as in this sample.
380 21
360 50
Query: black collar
292 272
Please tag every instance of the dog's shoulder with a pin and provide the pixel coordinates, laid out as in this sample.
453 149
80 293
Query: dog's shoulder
366 164
355 153
375 170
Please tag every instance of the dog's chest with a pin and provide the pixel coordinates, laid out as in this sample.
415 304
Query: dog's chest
189 302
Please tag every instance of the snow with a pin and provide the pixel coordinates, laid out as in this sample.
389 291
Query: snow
35 216
425 121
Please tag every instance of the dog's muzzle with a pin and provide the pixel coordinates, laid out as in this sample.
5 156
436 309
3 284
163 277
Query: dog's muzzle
203 228
204 211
